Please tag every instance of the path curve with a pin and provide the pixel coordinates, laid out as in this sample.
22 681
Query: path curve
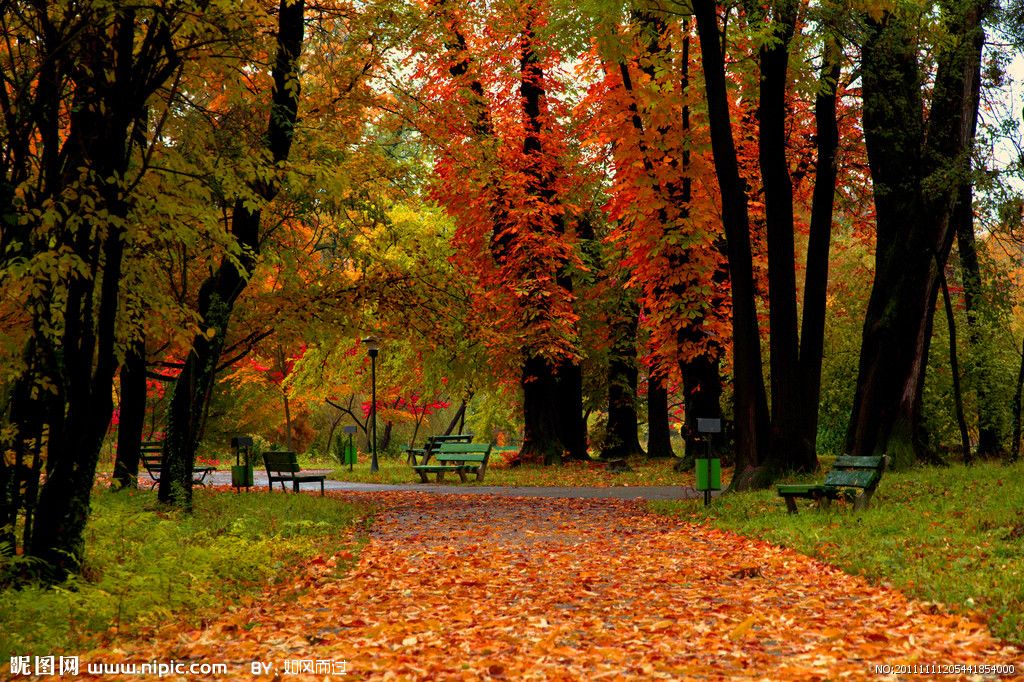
473 587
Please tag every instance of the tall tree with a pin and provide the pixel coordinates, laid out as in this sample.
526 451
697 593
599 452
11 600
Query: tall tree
217 296
916 167
750 408
519 220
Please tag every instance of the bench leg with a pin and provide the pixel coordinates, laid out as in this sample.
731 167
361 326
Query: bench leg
790 504
824 503
321 488
462 475
295 486
423 476
860 503
440 477
480 473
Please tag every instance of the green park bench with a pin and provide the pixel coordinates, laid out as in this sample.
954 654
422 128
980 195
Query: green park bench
431 445
848 475
459 458
283 466
151 457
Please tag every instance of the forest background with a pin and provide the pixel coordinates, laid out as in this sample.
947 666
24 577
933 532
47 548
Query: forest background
576 228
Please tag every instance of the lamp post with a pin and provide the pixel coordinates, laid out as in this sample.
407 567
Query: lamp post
372 350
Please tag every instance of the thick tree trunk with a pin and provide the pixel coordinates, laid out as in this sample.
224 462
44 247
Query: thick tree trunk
812 332
622 438
132 413
659 434
542 441
787 409
218 293
750 409
910 167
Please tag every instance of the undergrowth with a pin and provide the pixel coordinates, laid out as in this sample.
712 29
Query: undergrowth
145 565
951 535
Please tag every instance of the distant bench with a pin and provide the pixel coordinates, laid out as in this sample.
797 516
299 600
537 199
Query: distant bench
847 475
432 444
283 466
458 458
151 457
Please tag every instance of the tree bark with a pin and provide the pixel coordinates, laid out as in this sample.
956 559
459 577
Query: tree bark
218 293
954 368
812 332
132 412
787 409
659 434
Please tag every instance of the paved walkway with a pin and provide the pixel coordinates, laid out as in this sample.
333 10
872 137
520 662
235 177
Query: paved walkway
651 492
471 587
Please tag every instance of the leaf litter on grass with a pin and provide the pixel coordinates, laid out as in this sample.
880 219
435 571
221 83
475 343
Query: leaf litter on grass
474 587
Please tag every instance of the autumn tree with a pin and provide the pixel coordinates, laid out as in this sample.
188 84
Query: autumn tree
82 115
516 225
220 291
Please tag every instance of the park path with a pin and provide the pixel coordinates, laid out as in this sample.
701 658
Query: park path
473 587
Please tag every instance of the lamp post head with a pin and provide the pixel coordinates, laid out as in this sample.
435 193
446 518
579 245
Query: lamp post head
371 345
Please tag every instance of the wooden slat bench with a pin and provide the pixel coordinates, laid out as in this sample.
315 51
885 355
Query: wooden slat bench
431 445
459 458
847 475
283 466
151 457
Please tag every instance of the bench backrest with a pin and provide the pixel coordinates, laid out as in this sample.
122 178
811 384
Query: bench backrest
463 452
281 460
434 442
152 460
855 472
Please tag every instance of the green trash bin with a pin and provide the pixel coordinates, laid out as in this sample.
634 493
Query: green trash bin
709 474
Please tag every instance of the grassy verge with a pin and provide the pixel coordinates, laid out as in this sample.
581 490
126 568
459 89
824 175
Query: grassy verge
145 565
644 472
953 536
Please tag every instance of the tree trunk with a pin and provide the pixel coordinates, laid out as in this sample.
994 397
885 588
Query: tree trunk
132 412
910 166
812 332
659 434
542 441
622 438
112 83
750 409
218 293
954 367
990 424
787 409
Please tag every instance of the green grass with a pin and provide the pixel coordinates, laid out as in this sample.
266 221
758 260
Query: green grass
953 536
145 565
644 472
